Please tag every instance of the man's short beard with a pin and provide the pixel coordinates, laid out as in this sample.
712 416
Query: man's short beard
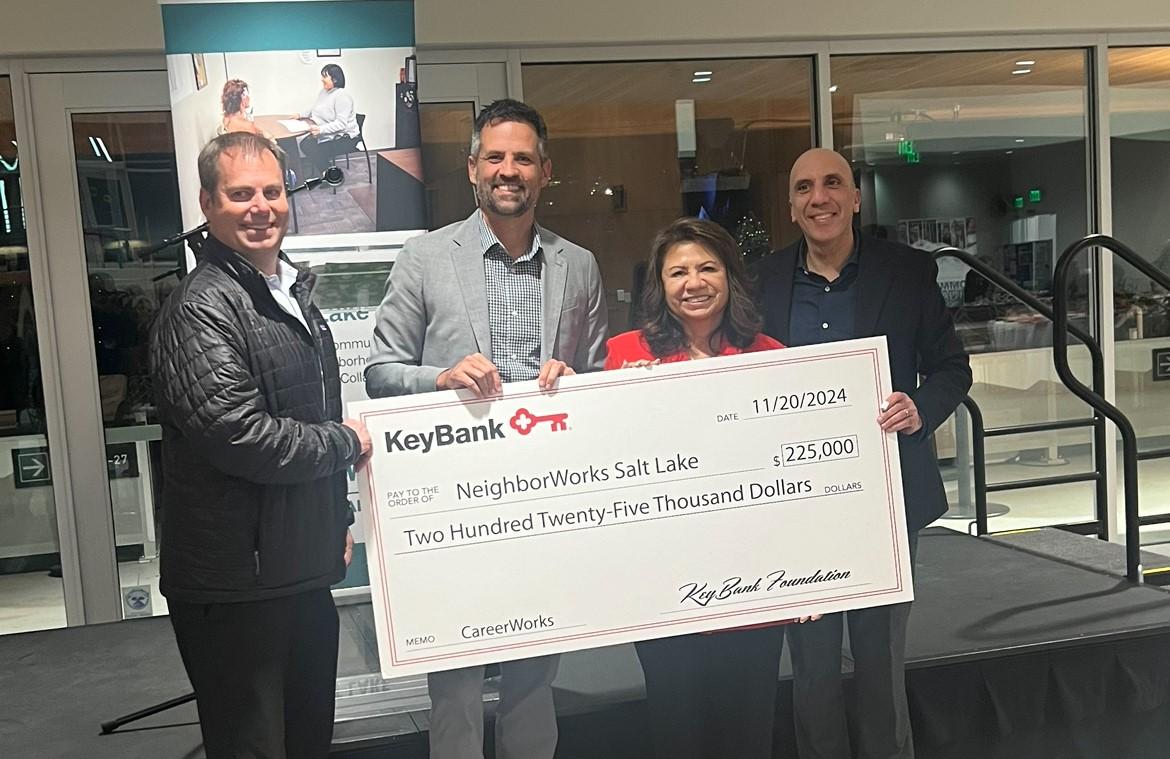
486 201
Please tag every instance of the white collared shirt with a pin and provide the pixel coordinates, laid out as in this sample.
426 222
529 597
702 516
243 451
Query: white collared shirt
280 285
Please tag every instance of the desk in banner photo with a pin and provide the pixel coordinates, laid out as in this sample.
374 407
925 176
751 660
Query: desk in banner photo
632 504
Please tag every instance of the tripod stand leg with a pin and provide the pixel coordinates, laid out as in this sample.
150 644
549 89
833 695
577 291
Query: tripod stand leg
114 724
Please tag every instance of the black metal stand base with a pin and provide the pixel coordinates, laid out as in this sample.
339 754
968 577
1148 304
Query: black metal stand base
114 724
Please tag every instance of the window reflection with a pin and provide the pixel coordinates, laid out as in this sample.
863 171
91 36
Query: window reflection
128 193
1139 105
636 145
1139 115
986 152
446 132
31 591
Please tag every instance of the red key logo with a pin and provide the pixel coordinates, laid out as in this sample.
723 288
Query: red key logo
524 421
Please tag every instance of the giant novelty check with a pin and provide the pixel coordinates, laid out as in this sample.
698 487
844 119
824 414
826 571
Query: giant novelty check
632 504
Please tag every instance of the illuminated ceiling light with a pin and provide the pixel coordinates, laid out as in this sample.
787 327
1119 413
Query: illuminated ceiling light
703 73
1018 72
1019 139
701 79
93 144
1008 152
105 153
4 208
832 88
1025 63
954 152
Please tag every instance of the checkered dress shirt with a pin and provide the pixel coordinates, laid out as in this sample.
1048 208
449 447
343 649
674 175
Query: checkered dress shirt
515 305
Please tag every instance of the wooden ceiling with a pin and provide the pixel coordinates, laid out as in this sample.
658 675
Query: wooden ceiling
124 134
854 74
7 125
1140 67
594 99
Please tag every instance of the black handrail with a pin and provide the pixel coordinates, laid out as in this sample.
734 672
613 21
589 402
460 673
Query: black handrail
978 453
1097 422
1094 397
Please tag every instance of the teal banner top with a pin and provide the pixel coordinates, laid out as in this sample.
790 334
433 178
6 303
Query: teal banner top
242 27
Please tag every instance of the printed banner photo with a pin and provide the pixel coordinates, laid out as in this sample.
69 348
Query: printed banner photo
332 82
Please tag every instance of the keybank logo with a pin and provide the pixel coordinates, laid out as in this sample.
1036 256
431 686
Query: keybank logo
524 421
441 435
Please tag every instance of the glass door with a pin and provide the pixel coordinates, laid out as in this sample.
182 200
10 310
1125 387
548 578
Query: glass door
32 595
108 189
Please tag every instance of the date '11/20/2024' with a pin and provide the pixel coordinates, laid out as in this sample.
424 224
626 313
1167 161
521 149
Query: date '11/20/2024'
809 399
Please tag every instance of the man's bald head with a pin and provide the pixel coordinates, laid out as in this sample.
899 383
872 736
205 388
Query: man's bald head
819 160
823 197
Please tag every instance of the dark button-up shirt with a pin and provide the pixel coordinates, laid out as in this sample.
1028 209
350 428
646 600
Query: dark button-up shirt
823 311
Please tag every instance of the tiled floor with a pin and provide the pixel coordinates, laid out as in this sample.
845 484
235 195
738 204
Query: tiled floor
322 211
31 601
34 601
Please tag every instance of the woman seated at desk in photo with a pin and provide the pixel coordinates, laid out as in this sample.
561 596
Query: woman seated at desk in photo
333 127
709 695
236 102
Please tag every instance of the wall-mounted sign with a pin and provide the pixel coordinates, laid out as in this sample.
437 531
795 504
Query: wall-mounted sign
1161 364
122 460
30 467
136 602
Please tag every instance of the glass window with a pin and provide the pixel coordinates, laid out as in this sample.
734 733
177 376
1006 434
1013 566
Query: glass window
1139 118
31 591
986 152
446 133
129 197
636 145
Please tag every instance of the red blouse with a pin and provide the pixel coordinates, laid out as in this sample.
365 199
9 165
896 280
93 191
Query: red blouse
631 346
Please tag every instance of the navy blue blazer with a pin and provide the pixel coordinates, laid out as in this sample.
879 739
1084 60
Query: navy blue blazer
898 296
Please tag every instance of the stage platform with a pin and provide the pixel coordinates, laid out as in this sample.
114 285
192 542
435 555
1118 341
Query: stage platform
1020 645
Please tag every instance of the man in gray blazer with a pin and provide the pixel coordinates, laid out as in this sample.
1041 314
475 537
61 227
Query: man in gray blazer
495 298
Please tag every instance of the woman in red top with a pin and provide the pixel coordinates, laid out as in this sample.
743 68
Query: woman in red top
708 695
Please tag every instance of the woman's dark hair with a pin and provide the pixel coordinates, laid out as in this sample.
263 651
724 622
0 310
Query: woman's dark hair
334 72
663 331
233 96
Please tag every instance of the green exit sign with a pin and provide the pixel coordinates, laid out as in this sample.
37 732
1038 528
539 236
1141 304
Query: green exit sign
1018 201
907 150
1034 195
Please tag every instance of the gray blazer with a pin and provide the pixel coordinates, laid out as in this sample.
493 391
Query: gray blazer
436 312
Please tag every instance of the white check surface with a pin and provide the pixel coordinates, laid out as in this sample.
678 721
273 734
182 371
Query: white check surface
632 504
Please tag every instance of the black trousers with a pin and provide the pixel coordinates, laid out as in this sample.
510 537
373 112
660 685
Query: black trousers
264 674
713 696
877 639
319 151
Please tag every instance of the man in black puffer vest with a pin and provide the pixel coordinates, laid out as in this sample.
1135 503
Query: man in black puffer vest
254 515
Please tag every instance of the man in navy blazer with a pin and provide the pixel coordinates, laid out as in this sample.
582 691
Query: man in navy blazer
835 284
